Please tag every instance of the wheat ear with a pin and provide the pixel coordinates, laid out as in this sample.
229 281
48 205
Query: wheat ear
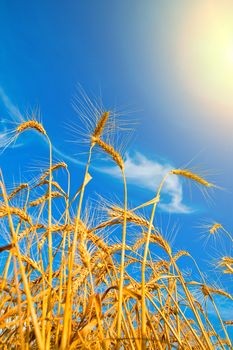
110 150
189 175
31 124
101 124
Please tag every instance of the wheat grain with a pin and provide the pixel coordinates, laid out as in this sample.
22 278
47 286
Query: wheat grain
100 125
110 150
43 198
17 190
4 211
54 167
188 174
215 227
31 124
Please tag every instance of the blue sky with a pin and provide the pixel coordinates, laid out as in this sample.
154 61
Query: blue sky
145 58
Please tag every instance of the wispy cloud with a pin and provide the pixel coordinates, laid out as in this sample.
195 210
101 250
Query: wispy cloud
67 157
10 107
147 174
14 116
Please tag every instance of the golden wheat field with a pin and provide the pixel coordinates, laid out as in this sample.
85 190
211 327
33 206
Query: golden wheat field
67 284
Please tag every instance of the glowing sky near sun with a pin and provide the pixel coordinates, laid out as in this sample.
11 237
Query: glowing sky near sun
204 54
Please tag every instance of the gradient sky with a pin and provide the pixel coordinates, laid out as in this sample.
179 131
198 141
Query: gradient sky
168 64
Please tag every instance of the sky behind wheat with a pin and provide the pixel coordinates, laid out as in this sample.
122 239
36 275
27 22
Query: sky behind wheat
166 65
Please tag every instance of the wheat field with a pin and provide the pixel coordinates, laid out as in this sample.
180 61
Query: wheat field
68 283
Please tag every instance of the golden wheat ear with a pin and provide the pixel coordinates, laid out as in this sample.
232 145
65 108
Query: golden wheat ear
189 175
215 227
110 150
17 190
101 124
53 168
31 124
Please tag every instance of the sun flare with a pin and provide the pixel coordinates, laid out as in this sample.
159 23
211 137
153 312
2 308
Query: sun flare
205 52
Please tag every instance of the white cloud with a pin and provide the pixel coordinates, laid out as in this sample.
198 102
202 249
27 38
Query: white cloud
147 174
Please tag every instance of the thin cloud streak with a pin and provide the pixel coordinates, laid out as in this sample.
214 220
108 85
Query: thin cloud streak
11 108
68 158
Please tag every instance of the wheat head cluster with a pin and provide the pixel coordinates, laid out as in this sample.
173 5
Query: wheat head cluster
67 282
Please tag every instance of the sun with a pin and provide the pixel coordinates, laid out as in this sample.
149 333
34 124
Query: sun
205 52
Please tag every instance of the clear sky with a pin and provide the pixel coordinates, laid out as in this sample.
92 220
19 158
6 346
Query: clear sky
167 64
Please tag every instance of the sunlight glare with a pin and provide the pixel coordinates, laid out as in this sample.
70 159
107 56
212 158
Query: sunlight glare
205 54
